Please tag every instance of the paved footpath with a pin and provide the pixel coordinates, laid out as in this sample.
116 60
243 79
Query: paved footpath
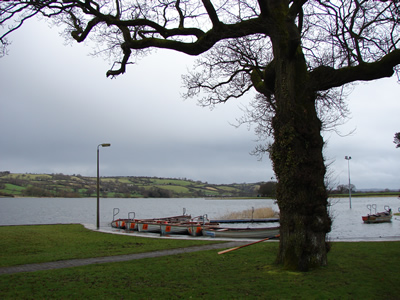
111 259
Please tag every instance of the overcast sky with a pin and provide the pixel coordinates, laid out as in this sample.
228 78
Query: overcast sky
57 105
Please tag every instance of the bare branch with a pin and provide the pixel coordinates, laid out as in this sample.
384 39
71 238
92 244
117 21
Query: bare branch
212 13
324 78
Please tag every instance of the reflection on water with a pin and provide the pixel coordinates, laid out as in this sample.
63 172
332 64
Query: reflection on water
347 223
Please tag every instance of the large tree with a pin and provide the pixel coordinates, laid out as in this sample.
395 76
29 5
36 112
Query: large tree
294 54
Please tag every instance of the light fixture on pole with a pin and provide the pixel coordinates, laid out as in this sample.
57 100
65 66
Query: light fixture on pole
98 184
348 167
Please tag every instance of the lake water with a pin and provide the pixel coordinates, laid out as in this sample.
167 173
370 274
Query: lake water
347 223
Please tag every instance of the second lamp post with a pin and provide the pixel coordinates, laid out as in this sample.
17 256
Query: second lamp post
348 167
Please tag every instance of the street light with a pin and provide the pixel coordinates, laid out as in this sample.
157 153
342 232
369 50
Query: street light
348 167
98 184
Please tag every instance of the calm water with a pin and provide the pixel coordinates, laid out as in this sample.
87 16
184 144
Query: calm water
347 223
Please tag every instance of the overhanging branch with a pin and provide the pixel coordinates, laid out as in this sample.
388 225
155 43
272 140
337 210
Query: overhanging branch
125 59
324 78
205 41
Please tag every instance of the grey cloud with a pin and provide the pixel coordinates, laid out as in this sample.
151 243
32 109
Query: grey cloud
56 106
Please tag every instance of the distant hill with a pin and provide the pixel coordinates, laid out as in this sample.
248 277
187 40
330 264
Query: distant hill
377 190
60 185
75 186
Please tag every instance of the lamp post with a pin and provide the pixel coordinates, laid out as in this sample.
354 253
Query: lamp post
98 184
348 168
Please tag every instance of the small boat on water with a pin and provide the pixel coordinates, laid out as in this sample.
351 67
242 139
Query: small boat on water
380 217
224 232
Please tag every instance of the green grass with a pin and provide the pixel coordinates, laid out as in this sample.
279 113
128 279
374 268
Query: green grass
42 243
355 271
117 186
171 181
13 189
174 188
123 180
227 188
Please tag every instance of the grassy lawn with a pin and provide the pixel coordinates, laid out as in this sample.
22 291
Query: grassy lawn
43 243
175 188
355 271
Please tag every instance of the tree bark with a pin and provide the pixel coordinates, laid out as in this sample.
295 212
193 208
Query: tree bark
297 155
301 192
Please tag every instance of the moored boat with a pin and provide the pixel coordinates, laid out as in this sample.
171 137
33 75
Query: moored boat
174 228
380 217
154 225
225 232
119 223
195 229
131 225
149 226
146 224
175 219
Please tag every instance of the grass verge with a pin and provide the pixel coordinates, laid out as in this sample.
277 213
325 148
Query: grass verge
43 243
355 271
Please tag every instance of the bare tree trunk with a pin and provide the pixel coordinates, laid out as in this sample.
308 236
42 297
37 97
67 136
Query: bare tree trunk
301 192
297 154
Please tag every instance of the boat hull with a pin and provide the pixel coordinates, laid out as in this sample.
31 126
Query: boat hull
195 229
169 228
120 223
256 233
149 227
378 218
131 225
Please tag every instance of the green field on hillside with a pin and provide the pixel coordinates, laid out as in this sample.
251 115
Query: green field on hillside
75 186
60 185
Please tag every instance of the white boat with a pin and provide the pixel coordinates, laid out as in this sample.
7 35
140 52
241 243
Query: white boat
195 229
148 226
131 225
174 228
120 223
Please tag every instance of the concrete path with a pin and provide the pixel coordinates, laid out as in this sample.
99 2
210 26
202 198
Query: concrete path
110 259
